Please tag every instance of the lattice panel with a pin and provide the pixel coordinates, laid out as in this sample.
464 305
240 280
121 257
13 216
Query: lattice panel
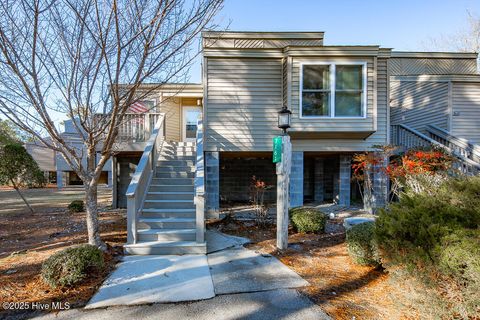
409 66
249 43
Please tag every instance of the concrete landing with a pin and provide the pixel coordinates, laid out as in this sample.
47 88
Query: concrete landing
240 270
153 279
217 241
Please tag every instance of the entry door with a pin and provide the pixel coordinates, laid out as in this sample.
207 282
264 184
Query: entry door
190 118
126 167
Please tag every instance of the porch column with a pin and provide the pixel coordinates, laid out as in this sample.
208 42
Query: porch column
296 180
114 173
318 183
59 179
212 184
380 185
344 180
379 194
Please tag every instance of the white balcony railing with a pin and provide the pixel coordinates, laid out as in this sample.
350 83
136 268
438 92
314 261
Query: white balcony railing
137 127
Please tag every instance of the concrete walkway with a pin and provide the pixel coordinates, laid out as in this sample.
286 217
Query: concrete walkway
248 285
285 304
155 279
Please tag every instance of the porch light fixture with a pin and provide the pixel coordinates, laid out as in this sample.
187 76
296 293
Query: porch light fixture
284 119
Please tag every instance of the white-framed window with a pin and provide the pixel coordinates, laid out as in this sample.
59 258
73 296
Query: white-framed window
333 90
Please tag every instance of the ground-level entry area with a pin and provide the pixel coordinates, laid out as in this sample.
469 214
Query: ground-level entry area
315 177
124 166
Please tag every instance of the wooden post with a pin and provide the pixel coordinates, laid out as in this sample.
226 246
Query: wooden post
283 186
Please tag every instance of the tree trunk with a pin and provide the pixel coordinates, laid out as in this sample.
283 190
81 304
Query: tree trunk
93 226
21 196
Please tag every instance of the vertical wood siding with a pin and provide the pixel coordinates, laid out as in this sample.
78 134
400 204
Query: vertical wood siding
466 102
418 104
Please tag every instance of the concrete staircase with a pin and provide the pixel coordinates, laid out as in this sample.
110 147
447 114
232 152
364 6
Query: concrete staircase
167 221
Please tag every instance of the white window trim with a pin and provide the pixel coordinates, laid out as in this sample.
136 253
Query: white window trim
332 65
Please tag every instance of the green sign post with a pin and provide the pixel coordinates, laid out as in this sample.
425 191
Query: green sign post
277 149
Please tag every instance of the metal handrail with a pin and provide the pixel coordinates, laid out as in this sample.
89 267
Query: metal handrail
138 187
199 184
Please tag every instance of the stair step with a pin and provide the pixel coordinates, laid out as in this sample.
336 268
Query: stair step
166 223
181 143
172 188
175 162
179 148
175 175
169 204
170 195
166 234
169 157
161 169
161 247
172 181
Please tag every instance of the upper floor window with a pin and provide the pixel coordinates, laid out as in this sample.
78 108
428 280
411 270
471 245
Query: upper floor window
333 90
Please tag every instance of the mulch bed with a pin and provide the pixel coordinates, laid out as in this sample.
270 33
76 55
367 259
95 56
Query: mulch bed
27 240
343 289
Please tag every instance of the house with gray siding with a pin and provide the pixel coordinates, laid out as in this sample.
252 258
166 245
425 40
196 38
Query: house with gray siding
202 144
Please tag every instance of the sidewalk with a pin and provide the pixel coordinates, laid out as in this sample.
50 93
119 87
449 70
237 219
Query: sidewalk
247 285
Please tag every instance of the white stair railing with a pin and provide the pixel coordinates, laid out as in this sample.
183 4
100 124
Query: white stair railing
458 145
138 187
409 138
199 184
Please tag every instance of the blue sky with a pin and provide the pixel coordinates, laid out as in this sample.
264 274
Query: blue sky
402 25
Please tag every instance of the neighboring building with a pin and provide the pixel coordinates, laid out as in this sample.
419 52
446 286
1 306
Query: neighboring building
65 175
45 159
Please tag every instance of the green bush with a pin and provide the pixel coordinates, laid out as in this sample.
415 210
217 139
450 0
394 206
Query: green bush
305 219
416 225
361 244
435 237
72 265
459 257
76 206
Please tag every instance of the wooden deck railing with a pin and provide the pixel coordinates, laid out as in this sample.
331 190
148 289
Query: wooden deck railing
409 138
199 184
138 187
137 127
458 145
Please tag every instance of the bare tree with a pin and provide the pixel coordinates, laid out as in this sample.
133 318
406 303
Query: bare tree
463 40
72 56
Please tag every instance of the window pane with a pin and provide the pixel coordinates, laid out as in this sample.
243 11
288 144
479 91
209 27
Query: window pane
315 103
316 77
348 104
348 77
